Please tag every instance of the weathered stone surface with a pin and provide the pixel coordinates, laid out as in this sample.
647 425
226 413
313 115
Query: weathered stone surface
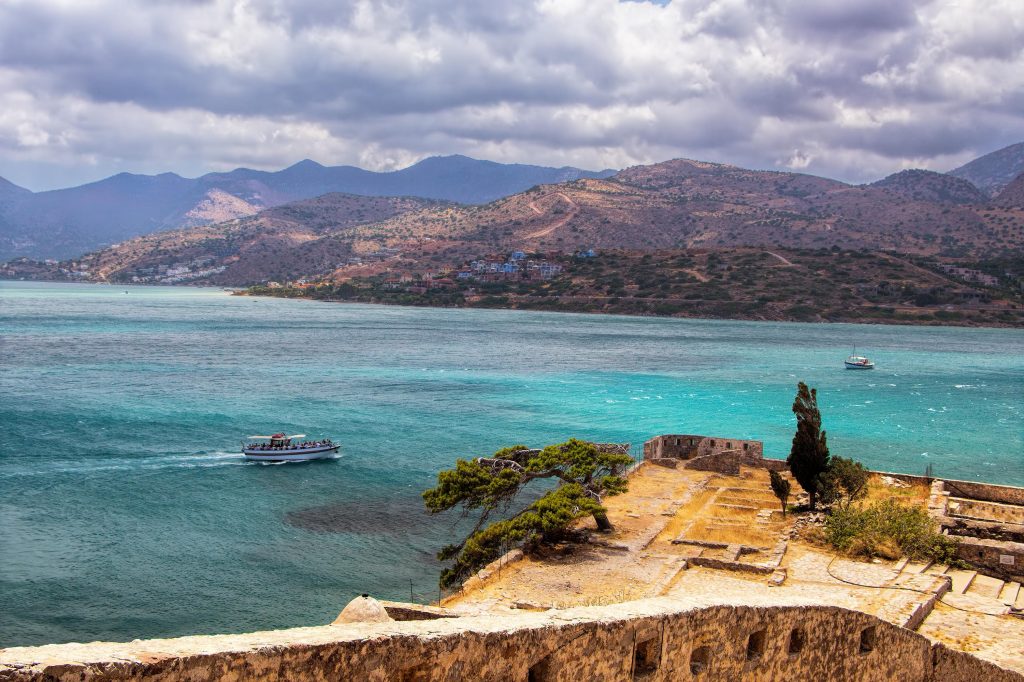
949 665
363 609
652 639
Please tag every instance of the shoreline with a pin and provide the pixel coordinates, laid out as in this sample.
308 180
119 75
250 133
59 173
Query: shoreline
966 324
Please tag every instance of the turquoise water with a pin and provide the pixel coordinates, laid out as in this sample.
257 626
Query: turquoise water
125 511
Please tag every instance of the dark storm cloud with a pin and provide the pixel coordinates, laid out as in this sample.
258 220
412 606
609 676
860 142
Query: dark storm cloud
829 18
854 90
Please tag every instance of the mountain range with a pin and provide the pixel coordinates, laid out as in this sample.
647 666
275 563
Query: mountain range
675 204
671 205
68 222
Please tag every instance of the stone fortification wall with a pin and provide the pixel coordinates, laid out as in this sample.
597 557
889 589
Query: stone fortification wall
987 492
651 640
727 462
970 490
985 538
689 446
949 665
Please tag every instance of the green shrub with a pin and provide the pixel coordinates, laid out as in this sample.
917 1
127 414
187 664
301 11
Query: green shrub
888 529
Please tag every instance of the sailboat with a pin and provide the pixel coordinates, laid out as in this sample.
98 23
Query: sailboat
858 361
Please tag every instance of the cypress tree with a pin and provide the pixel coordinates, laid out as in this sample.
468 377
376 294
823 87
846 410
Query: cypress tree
808 458
780 486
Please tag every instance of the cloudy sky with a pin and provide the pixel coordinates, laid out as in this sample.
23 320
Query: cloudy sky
847 89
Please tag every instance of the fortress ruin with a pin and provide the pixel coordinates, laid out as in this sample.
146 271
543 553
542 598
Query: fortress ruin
702 579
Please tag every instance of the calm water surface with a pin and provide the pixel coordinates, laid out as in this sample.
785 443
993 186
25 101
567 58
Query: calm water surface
126 512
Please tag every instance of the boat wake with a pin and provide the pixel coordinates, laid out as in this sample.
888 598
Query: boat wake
214 458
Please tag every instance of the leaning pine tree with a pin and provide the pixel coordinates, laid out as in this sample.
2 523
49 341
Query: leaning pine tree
489 485
808 458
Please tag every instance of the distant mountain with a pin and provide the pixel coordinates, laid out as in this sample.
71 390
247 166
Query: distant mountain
67 222
991 172
927 185
9 189
671 205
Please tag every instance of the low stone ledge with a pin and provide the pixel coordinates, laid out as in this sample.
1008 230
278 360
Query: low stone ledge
401 611
738 566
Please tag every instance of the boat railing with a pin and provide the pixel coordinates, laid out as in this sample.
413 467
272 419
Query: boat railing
308 445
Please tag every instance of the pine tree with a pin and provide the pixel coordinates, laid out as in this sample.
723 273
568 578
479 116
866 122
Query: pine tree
808 458
489 485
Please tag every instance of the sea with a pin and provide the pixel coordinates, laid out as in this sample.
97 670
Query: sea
127 512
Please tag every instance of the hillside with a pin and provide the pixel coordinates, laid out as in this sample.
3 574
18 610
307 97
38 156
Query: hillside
991 172
68 222
690 203
917 184
1012 196
9 189
745 283
285 242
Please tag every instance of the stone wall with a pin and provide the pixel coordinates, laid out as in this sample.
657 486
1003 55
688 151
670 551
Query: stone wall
689 446
651 640
998 558
949 665
986 511
988 492
727 462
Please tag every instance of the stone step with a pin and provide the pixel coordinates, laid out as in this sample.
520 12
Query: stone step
900 565
970 602
1008 595
962 579
937 569
985 586
916 566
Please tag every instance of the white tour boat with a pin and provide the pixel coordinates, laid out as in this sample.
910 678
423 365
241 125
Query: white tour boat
282 448
858 361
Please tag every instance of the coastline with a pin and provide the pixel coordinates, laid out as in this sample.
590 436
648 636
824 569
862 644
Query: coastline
694 315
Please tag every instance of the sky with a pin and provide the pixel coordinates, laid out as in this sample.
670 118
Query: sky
852 90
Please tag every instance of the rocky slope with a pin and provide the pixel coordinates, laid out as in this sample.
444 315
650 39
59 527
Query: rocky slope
917 184
285 242
1012 196
991 172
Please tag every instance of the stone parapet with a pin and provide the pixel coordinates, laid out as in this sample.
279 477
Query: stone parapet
654 639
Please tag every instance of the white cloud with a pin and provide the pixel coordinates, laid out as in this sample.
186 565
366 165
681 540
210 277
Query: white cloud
846 90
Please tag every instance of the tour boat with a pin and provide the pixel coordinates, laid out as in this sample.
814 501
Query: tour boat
282 448
858 361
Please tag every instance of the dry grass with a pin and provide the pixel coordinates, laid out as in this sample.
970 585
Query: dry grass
685 515
912 495
753 534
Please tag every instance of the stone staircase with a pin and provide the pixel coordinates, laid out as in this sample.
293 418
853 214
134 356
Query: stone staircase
968 589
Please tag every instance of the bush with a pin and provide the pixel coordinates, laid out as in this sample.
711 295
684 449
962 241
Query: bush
889 530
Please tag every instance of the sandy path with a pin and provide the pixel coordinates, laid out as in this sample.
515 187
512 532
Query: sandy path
558 223
785 262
